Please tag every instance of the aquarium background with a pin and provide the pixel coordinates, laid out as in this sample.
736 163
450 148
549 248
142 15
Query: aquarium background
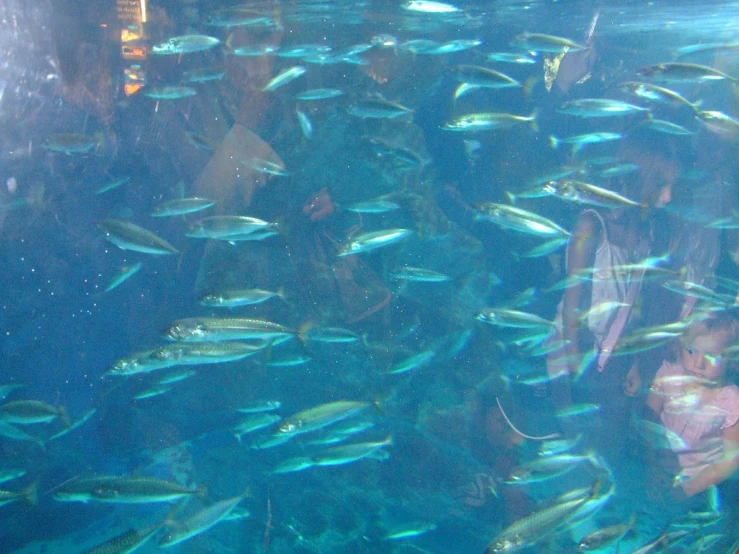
75 118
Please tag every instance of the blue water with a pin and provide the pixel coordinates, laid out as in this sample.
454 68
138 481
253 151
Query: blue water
61 71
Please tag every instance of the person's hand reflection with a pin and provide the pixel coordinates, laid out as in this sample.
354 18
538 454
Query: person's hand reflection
573 67
320 206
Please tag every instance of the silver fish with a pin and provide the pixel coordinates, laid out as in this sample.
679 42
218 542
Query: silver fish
292 465
532 528
330 335
320 416
319 94
207 329
305 124
11 473
516 219
124 490
171 92
123 275
204 74
181 206
484 121
196 353
413 362
536 42
655 93
238 297
472 77
199 522
128 542
376 107
578 141
677 72
373 240
27 412
599 107
185 44
285 77
257 406
348 453
409 530
585 193
419 274
151 392
225 227
253 423
113 184
377 206
429 6
502 317
128 236
141 362
70 143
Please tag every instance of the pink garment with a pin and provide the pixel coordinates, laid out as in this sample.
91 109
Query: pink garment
700 424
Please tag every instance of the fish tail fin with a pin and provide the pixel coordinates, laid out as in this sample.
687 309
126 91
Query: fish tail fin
303 331
99 149
554 141
180 255
597 488
528 86
228 44
281 294
593 458
532 118
281 226
30 494
64 416
363 340
697 104
511 197
201 491
169 519
379 404
644 207
631 523
388 441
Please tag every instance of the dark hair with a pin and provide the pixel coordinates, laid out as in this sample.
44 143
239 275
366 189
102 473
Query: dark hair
724 321
658 158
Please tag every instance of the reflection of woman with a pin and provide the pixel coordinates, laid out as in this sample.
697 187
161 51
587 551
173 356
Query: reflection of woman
596 310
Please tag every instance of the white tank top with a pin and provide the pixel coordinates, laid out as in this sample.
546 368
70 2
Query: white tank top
607 286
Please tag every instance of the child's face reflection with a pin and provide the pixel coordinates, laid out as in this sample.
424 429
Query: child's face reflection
702 355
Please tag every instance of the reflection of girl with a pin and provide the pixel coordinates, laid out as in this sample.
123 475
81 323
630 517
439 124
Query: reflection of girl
596 310
695 401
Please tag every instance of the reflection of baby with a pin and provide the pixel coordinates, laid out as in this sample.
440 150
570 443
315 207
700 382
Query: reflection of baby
698 406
